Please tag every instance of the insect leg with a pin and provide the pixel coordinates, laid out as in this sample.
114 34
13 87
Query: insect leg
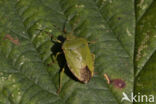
91 42
56 40
60 81
58 53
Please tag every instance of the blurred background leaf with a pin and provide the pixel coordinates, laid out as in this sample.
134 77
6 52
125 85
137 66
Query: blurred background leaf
145 53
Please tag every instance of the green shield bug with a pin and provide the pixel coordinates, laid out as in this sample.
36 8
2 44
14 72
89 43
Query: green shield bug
79 58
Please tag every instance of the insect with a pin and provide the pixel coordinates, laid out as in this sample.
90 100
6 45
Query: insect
79 58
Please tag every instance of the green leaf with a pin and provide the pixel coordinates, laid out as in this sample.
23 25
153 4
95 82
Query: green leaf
141 7
145 38
146 51
30 74
145 81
